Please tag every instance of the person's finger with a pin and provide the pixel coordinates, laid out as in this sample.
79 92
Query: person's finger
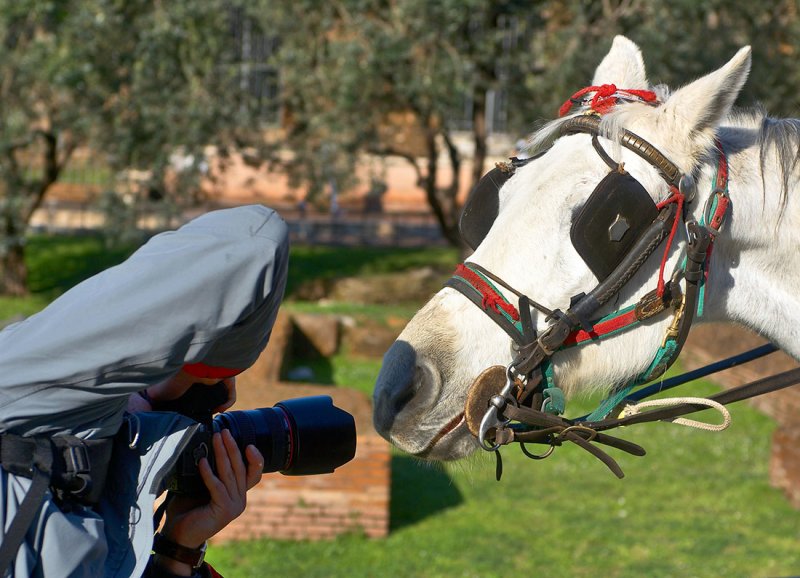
223 465
216 489
255 465
237 464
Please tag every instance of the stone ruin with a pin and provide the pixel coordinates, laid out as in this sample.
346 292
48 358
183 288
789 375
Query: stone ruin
355 498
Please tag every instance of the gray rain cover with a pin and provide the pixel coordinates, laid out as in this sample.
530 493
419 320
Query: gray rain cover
207 293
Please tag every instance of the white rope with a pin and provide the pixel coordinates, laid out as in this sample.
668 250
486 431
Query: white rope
633 409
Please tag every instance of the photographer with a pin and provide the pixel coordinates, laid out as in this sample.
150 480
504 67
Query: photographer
191 522
83 457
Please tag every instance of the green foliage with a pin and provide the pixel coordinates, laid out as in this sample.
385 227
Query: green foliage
357 72
680 41
151 85
145 86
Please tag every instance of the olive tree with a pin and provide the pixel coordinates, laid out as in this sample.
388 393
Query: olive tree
133 82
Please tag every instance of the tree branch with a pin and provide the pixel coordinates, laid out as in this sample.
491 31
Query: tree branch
386 151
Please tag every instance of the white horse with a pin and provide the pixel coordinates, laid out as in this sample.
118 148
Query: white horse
753 276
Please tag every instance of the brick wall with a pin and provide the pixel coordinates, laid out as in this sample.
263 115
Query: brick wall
355 498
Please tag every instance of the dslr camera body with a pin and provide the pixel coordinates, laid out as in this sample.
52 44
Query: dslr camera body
297 437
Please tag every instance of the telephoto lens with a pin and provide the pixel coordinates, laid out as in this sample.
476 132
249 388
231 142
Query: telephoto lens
297 437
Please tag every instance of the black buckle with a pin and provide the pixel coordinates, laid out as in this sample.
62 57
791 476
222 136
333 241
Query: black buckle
76 477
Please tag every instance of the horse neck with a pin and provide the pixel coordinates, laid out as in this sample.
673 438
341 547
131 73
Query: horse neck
754 274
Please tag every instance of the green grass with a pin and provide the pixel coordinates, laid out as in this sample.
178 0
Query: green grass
373 312
56 263
333 262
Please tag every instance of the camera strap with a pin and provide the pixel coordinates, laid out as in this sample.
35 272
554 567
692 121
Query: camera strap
74 469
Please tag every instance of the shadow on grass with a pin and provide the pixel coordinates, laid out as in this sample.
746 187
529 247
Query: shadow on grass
419 490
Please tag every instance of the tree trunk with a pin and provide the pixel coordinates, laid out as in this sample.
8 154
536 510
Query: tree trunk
445 212
21 207
13 271
479 135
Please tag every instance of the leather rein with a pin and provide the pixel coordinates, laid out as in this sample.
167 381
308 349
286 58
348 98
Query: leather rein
521 403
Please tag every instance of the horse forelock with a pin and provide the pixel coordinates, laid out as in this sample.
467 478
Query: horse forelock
783 136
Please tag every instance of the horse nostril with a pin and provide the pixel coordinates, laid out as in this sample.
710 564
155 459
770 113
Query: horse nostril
404 394
396 383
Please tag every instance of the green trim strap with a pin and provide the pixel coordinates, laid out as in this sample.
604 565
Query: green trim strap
663 360
554 400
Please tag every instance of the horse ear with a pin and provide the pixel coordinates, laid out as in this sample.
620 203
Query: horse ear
692 114
622 66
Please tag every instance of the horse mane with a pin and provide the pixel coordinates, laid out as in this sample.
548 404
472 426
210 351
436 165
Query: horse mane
782 134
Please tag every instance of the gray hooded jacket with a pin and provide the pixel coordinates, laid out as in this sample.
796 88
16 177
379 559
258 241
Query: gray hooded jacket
207 294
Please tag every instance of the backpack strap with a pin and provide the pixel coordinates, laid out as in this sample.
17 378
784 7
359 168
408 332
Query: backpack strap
73 468
40 470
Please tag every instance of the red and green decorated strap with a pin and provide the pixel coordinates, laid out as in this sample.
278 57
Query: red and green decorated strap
486 295
479 289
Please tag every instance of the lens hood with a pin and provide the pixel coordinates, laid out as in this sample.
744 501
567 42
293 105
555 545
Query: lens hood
323 436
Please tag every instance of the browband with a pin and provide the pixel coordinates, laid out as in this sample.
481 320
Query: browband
591 124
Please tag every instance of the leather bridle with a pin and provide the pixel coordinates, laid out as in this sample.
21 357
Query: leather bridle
524 391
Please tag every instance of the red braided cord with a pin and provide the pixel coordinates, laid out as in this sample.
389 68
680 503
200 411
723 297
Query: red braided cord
721 183
604 98
603 328
722 166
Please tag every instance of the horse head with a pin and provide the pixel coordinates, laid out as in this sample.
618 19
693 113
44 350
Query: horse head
620 138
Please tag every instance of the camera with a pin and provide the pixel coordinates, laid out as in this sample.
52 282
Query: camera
297 437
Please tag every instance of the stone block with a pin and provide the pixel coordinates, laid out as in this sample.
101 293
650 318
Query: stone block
369 341
784 466
319 332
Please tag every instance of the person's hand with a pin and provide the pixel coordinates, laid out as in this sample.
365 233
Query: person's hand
190 523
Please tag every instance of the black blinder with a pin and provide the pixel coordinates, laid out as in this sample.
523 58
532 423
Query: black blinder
616 214
483 203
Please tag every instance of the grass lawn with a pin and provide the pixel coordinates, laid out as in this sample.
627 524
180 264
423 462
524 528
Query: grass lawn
307 263
698 505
